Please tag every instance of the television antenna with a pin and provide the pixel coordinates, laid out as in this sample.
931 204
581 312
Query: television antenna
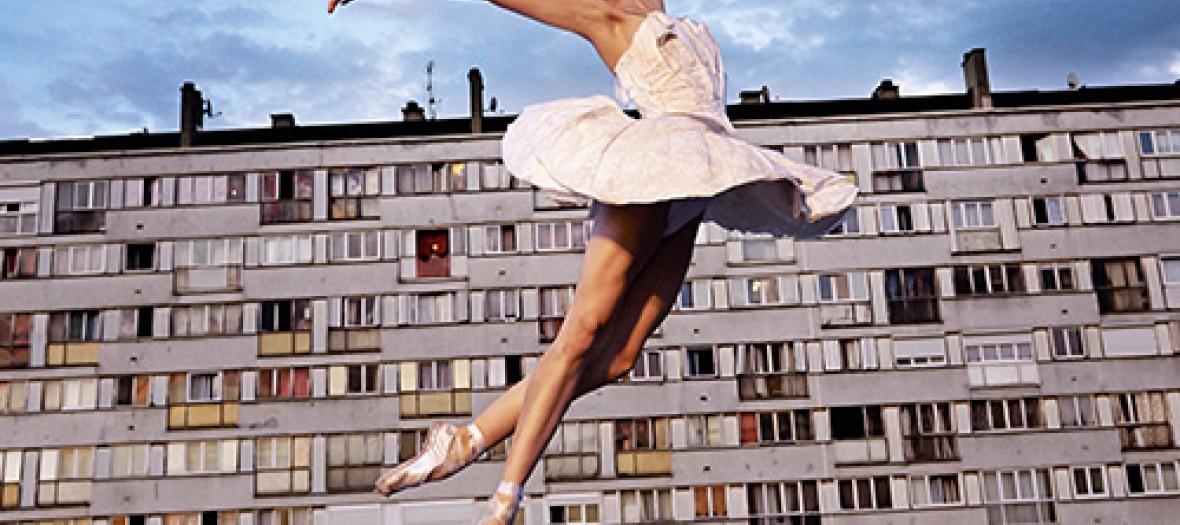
431 101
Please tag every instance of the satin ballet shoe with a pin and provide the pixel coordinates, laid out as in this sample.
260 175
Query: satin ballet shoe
446 450
502 506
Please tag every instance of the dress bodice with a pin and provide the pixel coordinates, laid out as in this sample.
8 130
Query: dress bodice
673 66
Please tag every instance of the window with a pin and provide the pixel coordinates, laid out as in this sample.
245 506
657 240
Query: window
896 167
206 319
286 249
431 308
865 493
1077 411
988 279
559 236
1089 482
80 260
1119 285
768 371
14 397
500 238
911 295
434 253
1099 157
358 312
359 379
973 215
1005 352
849 355
849 226
19 263
1165 205
896 218
971 152
847 287
757 247
14 340
928 432
65 475
1048 211
10 478
501 305
282 465
18 217
204 265
213 456
286 196
832 157
1152 478
649 505
81 207
789 502
354 193
1057 277
438 177
705 430
284 383
650 433
289 516
141 192
1006 414
354 462
700 362
574 514
1159 142
1018 497
1066 342
434 375
69 394
133 391
649 366
756 291
1142 419
204 388
356 246
935 490
76 326
211 189
140 257
285 316
130 461
857 422
776 428
1170 267
572 452
554 303
695 295
492 175
710 501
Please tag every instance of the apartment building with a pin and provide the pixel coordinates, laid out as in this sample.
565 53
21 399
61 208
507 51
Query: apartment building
245 327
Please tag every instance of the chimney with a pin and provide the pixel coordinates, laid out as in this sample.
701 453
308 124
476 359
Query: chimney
979 88
750 98
282 120
475 80
413 112
192 113
887 91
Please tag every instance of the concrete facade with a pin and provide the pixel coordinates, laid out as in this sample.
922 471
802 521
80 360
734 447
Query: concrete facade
247 332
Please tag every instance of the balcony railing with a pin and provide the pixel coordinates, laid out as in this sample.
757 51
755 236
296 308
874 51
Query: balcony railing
640 463
281 211
203 415
1145 436
772 386
571 467
931 448
913 310
1113 299
431 404
354 340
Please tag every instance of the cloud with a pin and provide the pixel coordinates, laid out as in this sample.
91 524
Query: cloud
915 79
14 122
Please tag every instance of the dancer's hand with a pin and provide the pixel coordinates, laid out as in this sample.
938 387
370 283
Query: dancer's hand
333 3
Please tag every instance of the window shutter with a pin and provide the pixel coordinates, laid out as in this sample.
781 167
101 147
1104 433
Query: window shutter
475 238
833 361
408 379
335 312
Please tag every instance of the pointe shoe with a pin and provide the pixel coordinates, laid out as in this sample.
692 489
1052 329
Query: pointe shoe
333 4
446 450
502 506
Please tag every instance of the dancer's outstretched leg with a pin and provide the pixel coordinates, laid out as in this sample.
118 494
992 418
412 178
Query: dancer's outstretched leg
644 307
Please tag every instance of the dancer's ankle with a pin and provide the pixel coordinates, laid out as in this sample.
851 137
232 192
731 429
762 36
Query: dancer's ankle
478 443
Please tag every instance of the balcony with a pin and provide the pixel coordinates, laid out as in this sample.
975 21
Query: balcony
432 404
208 279
772 386
930 448
643 463
1120 299
1145 436
72 354
282 211
913 310
203 415
571 467
354 340
66 222
860 451
284 343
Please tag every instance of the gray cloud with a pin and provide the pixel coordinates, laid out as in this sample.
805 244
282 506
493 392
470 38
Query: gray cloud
80 67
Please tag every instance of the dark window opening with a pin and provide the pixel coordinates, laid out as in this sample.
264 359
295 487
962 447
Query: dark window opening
1028 146
513 369
141 256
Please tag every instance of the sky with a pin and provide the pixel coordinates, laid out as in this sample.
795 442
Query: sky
102 67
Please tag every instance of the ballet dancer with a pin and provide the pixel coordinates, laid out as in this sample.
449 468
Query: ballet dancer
652 181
